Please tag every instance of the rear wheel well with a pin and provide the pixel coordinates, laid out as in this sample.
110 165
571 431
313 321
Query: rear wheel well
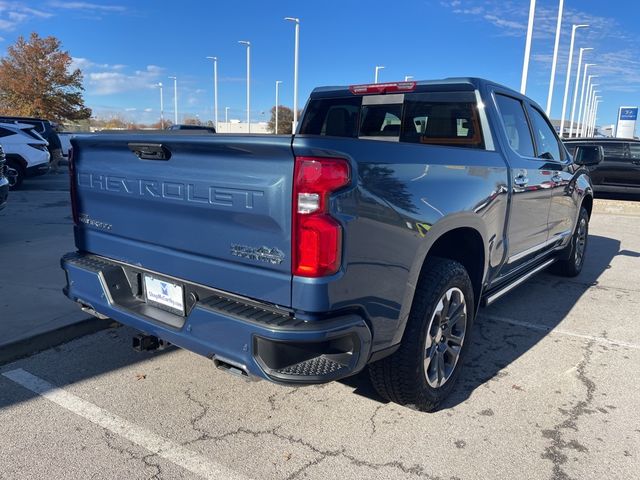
465 246
16 160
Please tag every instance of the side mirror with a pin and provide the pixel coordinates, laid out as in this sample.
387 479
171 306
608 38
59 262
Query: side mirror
588 155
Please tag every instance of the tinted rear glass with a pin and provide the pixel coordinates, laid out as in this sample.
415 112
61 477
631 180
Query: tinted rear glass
613 150
335 117
448 119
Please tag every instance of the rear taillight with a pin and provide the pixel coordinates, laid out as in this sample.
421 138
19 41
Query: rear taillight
73 187
396 87
316 240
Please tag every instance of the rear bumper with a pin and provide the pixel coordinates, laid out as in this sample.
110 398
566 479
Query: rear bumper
260 340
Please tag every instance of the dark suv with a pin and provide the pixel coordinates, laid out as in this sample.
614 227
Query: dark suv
193 128
619 172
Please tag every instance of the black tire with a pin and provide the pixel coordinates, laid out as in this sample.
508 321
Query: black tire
401 377
12 163
570 265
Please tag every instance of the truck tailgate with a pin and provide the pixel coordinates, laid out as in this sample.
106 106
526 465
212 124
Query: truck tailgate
217 212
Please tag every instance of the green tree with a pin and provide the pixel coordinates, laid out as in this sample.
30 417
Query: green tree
36 80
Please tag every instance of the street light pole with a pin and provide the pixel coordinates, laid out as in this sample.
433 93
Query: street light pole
555 58
295 70
215 90
527 47
161 106
587 118
594 104
584 82
587 105
175 99
248 45
595 117
575 90
378 68
278 82
568 79
592 118
226 118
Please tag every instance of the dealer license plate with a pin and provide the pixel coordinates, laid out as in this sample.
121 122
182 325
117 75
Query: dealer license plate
163 294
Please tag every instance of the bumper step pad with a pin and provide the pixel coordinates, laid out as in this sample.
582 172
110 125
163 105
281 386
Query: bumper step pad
315 367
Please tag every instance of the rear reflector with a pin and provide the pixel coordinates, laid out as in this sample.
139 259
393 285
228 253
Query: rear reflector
382 88
316 240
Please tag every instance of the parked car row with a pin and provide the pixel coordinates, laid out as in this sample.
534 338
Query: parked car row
25 150
31 146
4 180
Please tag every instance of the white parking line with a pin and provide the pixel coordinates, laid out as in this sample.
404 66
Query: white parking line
191 461
544 328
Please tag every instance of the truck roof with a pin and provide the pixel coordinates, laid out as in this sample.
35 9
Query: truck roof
445 84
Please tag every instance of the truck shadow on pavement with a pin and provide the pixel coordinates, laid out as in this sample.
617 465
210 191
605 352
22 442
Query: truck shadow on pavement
505 331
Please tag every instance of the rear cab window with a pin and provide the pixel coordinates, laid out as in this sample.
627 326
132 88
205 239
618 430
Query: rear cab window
430 118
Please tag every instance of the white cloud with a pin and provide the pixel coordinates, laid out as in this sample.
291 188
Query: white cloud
87 6
86 64
13 14
105 79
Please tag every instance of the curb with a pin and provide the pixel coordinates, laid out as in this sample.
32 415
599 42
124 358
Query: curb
25 347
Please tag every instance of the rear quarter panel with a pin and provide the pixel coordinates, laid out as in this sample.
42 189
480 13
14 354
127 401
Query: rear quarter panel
402 199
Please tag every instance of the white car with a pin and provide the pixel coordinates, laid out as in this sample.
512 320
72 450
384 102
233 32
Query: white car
25 149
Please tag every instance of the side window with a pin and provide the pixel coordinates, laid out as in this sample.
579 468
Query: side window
634 151
448 119
613 151
548 144
515 125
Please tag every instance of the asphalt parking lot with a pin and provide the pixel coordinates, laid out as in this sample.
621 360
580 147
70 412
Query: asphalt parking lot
549 391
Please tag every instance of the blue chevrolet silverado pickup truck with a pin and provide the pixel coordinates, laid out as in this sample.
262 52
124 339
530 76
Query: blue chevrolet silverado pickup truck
369 238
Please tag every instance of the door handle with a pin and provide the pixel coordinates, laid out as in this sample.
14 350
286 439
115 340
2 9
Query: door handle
521 180
557 178
150 151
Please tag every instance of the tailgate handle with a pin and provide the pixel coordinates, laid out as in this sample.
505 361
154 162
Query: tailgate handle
150 151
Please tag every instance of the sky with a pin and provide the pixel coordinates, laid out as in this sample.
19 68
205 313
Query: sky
124 48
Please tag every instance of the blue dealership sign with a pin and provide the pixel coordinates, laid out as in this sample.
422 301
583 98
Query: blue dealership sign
629 113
